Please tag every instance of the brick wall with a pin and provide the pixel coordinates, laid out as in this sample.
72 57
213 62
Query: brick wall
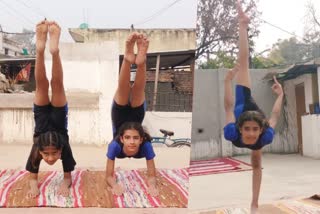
182 81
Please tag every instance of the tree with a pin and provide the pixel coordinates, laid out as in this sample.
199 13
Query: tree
221 60
313 22
289 51
260 62
312 31
217 26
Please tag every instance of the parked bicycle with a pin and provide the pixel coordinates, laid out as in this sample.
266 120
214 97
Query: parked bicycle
166 140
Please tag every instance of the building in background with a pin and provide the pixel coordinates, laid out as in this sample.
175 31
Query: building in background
170 63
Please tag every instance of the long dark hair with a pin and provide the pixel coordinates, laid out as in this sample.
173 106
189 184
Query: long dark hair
133 126
49 138
256 116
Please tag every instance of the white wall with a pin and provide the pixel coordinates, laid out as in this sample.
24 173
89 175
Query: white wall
16 126
310 135
88 66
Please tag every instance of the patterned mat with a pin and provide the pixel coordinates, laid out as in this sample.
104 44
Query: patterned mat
297 206
307 205
218 165
90 190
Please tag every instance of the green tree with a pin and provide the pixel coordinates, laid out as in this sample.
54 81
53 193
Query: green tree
260 62
289 51
221 60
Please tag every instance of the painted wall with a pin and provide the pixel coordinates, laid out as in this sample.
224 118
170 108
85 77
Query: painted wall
91 67
16 126
310 135
206 119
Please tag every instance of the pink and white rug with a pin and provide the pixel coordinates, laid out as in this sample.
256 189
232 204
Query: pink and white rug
89 189
216 166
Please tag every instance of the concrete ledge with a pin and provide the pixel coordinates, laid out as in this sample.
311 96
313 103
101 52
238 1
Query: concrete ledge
25 101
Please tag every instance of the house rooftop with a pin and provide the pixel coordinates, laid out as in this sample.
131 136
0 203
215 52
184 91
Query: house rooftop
295 70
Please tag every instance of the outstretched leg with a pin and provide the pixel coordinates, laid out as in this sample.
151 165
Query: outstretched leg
138 88
42 84
42 87
122 94
243 76
58 94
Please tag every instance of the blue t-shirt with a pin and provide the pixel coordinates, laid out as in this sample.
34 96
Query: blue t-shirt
231 133
115 150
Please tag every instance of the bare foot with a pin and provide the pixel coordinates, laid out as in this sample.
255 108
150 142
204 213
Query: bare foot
34 190
64 189
142 44
41 36
54 32
129 50
254 209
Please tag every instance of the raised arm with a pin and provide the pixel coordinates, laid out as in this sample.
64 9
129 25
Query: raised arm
275 114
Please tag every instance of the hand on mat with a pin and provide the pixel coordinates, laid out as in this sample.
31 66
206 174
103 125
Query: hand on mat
64 189
33 192
117 190
232 72
277 88
153 191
